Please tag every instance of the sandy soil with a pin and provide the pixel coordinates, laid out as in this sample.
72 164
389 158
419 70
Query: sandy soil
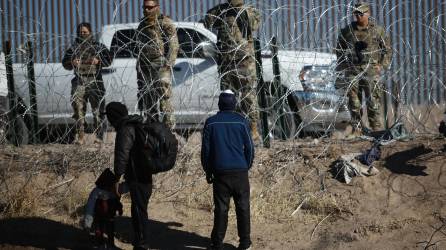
295 201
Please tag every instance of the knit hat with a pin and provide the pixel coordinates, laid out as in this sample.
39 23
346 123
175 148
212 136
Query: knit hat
227 101
115 111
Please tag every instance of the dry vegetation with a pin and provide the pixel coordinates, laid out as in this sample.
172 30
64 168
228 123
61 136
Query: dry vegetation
292 193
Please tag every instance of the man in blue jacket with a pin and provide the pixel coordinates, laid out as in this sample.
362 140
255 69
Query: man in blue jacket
227 154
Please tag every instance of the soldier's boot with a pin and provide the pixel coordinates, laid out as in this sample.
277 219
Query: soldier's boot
80 140
99 137
355 132
98 140
376 127
376 124
255 133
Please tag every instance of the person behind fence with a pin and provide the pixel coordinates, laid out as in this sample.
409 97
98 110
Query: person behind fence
227 154
363 53
86 57
156 49
101 208
235 24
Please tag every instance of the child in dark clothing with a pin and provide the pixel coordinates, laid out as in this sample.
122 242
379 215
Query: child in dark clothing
102 207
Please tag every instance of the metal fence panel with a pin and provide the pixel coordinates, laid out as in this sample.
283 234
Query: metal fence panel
417 28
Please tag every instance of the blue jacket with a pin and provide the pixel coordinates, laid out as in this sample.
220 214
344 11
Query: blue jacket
227 144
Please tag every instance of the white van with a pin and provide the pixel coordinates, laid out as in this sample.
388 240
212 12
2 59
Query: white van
195 84
3 98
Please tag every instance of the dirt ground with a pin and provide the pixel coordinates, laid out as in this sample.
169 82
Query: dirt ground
296 203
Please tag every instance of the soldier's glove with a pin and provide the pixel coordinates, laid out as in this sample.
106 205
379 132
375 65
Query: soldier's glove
360 46
210 178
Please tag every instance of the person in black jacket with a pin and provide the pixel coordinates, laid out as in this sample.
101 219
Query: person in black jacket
227 154
137 176
86 57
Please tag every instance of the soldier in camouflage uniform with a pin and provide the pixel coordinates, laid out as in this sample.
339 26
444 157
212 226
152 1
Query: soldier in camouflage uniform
156 48
87 57
235 24
363 53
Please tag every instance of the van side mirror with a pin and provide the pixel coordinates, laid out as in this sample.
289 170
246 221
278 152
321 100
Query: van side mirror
206 49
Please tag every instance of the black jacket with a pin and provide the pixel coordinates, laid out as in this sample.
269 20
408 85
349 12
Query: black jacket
99 50
126 158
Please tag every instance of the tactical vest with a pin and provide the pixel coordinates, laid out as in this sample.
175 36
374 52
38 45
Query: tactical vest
364 46
152 42
85 51
235 39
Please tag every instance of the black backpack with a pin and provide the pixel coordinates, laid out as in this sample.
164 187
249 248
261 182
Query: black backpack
157 146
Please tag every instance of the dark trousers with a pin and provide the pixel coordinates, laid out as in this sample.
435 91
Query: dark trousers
140 194
235 185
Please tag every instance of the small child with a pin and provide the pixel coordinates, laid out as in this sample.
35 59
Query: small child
101 208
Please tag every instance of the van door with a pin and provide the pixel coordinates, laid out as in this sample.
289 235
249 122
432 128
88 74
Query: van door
120 78
195 78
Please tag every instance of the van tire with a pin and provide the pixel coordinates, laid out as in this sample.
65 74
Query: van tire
292 120
58 133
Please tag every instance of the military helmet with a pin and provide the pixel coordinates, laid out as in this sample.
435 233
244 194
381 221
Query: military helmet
236 3
362 7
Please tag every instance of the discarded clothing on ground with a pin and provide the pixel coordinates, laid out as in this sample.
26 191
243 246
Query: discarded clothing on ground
370 155
348 166
397 132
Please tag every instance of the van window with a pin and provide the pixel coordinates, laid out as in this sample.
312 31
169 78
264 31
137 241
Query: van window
123 43
189 40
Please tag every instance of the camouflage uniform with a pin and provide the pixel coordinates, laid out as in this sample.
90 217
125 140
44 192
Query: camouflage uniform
236 62
359 52
157 48
87 85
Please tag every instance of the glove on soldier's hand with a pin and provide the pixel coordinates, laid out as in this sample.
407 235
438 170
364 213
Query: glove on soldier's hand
360 46
209 178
